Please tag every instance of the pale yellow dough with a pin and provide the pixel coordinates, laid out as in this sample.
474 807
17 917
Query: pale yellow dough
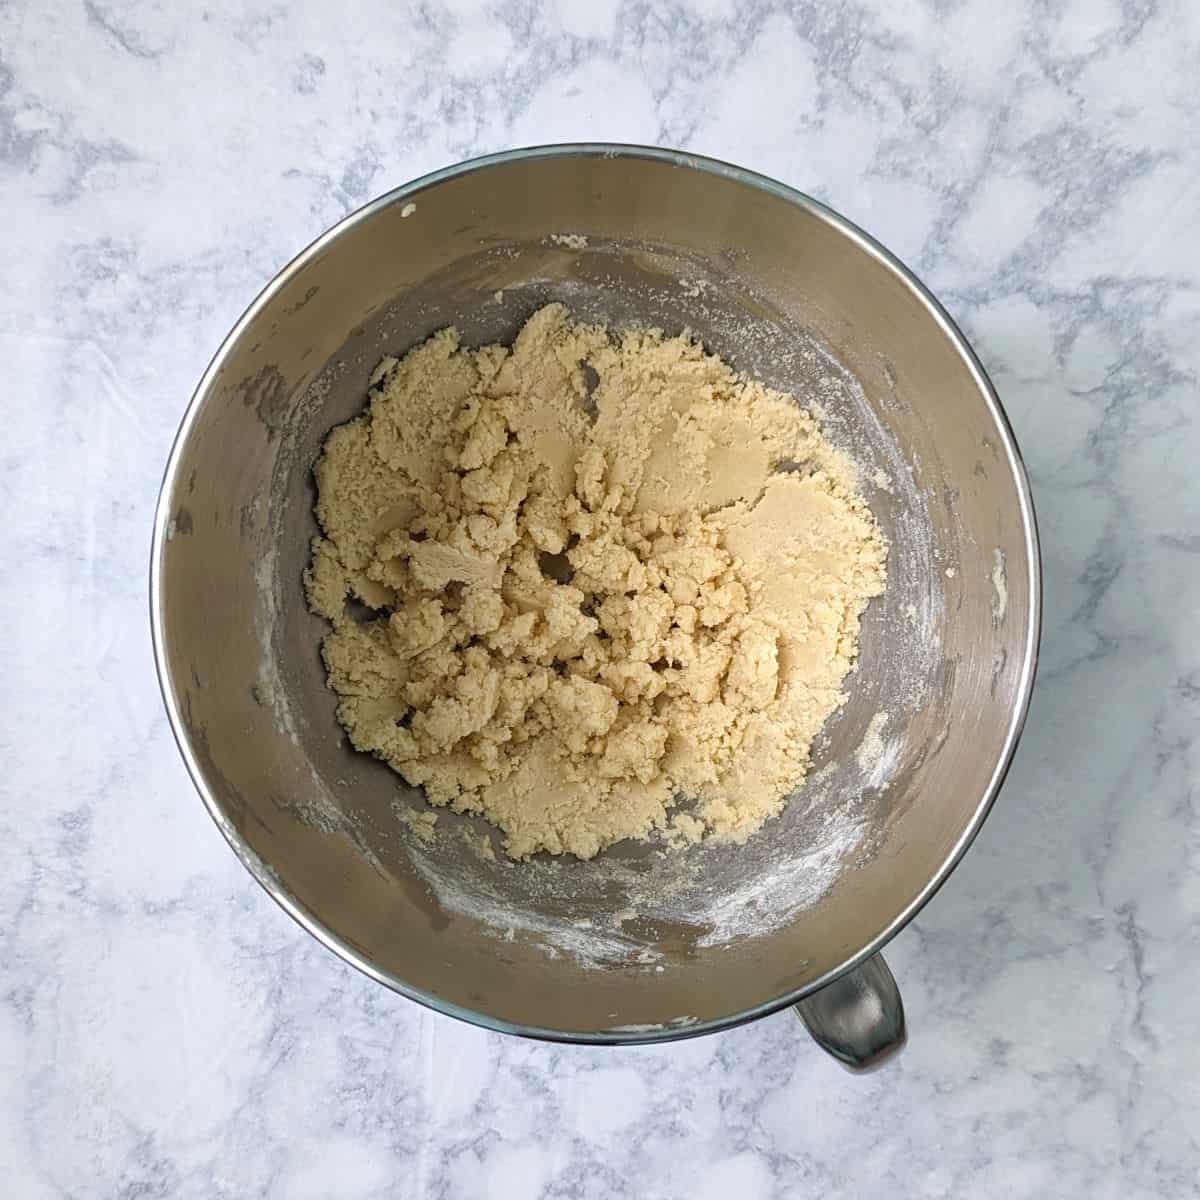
594 604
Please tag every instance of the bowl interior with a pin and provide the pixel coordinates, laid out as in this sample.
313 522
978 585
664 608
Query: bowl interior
636 943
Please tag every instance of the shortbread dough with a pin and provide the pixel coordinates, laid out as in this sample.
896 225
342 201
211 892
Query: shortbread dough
593 586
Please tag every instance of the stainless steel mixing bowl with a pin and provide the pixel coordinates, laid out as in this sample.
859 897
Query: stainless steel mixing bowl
635 945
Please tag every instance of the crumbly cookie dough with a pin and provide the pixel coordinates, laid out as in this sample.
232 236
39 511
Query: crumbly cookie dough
608 577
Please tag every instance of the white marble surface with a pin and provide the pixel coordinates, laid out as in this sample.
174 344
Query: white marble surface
165 1030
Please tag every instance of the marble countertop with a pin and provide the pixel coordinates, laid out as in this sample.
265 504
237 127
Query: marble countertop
165 1030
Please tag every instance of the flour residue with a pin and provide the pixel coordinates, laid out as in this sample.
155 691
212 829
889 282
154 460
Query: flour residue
869 754
999 586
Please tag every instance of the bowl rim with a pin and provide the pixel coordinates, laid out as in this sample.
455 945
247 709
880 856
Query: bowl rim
265 875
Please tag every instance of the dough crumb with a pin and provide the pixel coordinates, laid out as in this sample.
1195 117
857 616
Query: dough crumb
423 825
602 573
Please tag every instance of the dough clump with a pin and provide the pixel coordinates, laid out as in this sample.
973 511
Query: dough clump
606 575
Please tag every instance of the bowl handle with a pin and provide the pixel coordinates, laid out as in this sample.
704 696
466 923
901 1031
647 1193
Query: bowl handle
859 1017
